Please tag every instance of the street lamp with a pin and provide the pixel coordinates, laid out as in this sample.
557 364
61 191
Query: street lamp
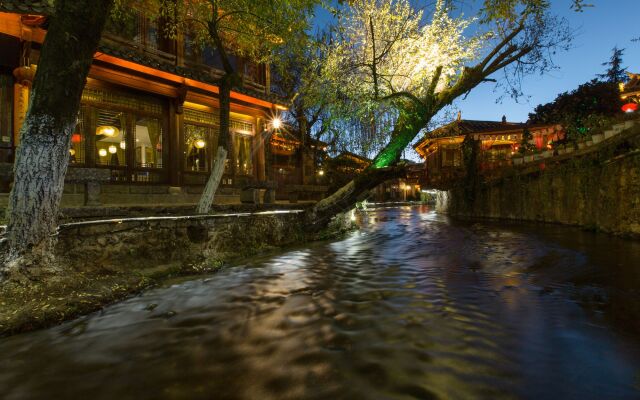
276 123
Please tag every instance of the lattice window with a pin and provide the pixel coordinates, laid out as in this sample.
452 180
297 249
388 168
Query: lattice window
132 102
148 134
241 126
78 139
201 117
110 138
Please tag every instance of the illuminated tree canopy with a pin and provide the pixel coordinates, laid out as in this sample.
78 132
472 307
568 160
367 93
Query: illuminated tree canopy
400 62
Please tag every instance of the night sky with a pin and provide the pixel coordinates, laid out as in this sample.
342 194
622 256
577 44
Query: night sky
598 30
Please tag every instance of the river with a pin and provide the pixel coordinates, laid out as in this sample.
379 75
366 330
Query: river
412 306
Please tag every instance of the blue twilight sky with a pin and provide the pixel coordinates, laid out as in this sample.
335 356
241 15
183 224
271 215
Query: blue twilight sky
598 30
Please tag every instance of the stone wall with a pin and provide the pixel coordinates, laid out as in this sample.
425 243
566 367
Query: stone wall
147 243
596 187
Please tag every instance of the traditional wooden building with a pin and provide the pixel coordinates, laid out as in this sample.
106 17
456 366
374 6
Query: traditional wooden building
149 113
442 151
295 164
402 189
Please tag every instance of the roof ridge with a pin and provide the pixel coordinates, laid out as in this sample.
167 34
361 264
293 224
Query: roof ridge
27 6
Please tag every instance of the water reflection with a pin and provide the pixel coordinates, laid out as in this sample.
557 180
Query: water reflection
411 306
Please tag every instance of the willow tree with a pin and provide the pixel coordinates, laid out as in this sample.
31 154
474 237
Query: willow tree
388 58
74 30
249 29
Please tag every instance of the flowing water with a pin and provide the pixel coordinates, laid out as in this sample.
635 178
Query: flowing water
412 306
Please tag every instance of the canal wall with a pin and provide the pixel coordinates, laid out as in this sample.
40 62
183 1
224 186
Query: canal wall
186 242
596 187
96 263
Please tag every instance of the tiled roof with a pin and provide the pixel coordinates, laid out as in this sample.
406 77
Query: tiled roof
348 154
27 6
44 7
139 58
467 126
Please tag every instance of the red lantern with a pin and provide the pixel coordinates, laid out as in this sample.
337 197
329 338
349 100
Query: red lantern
630 107
76 138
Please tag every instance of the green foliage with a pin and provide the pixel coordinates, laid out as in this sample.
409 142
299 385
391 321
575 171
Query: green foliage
525 144
389 58
251 28
615 73
581 110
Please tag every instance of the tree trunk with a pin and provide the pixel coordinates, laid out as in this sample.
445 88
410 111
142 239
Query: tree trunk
347 196
204 205
380 170
43 155
206 200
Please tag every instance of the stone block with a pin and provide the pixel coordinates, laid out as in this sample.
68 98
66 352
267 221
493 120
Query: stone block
92 194
610 133
120 189
597 138
142 189
270 196
251 196
159 189
618 127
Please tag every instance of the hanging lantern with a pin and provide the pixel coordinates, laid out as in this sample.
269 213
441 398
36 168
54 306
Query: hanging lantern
102 152
123 145
630 107
113 149
76 138
108 131
200 144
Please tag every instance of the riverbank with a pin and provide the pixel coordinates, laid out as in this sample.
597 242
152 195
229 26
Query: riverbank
97 263
595 187
412 305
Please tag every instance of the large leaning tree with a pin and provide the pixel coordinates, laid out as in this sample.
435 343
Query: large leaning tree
390 60
251 29
74 31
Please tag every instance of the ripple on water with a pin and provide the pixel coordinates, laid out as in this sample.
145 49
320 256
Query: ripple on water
412 306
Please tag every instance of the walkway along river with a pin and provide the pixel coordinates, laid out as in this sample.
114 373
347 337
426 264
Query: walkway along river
413 306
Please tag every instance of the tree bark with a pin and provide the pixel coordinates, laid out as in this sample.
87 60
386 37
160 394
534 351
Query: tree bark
206 200
43 155
380 170
204 205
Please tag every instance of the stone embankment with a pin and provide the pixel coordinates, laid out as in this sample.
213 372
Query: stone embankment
596 186
102 261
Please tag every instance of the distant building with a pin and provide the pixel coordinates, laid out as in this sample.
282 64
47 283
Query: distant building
441 149
401 189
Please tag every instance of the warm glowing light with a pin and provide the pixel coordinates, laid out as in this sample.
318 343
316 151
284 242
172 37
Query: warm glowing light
200 144
123 145
113 149
276 123
102 153
321 172
76 138
630 107
108 131
72 152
